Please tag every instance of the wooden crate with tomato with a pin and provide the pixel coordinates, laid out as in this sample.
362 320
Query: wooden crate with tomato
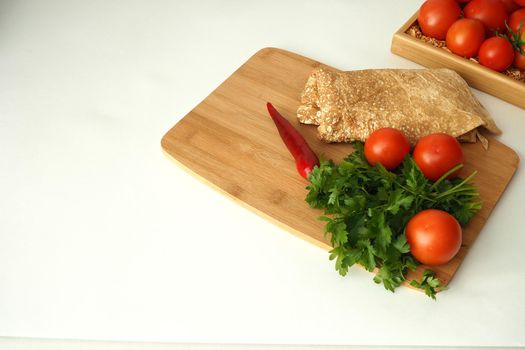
482 40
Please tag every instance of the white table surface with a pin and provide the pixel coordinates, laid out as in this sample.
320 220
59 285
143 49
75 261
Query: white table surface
103 238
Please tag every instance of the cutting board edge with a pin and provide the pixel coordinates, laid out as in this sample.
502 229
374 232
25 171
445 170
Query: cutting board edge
245 205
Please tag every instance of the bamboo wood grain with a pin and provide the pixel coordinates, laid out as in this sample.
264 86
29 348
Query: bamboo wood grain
475 75
229 142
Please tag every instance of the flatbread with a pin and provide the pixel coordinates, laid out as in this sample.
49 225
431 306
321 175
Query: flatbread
349 106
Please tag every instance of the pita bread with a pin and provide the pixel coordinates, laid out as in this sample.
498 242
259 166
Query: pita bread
349 106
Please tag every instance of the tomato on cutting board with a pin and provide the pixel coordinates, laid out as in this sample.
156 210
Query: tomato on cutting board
436 154
434 236
436 16
387 146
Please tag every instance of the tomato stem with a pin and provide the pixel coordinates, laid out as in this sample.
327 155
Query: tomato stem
515 38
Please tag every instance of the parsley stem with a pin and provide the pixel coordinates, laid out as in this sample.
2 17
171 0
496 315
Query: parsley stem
445 175
457 188
417 194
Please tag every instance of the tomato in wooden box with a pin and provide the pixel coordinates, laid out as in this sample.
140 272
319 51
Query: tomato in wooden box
476 75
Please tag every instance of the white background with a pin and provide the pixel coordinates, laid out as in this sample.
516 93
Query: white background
102 237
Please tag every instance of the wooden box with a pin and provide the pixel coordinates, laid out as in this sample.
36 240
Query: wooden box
476 75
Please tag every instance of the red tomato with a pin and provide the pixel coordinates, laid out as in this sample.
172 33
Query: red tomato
519 59
465 37
462 1
520 2
510 5
436 16
517 22
387 146
492 13
436 154
496 53
434 236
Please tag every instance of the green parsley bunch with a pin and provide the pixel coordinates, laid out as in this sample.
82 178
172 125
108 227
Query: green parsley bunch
367 208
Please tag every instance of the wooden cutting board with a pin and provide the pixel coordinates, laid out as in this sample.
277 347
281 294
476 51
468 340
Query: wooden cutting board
230 143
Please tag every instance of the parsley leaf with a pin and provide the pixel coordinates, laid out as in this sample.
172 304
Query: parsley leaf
429 283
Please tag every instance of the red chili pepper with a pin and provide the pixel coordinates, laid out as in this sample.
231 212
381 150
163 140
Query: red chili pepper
305 158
